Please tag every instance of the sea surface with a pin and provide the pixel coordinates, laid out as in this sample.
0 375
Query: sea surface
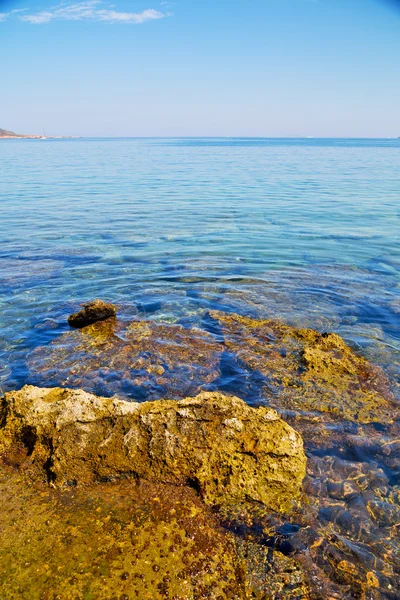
301 230
307 229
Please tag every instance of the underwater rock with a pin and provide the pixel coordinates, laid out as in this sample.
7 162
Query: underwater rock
307 370
91 313
217 444
285 578
142 360
295 369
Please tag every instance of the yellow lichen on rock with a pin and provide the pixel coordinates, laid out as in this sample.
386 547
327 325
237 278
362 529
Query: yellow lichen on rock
309 370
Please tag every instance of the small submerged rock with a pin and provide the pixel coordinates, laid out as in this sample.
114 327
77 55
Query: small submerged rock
98 310
143 360
226 450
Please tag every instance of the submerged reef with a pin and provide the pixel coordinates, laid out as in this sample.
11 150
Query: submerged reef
307 370
296 369
141 359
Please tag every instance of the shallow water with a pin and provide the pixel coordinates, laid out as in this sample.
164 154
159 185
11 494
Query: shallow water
305 231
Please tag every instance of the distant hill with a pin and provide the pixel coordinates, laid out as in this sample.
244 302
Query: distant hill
9 135
5 134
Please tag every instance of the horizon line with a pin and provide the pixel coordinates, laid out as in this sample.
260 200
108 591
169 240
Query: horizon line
221 137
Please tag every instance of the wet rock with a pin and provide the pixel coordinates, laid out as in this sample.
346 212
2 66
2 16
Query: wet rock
384 513
350 565
91 313
272 575
225 449
307 370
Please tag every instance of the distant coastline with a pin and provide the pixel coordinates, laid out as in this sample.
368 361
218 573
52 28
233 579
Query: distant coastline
10 135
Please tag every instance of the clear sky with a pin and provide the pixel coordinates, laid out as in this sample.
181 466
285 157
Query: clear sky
201 67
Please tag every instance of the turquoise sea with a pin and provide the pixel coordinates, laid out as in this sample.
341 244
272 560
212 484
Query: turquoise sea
303 230
307 229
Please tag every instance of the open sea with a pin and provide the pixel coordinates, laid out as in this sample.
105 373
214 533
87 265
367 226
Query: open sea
301 230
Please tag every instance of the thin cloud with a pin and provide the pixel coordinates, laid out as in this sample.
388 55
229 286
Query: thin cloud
4 16
91 11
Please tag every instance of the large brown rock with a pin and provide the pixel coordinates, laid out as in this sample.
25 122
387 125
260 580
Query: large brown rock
227 450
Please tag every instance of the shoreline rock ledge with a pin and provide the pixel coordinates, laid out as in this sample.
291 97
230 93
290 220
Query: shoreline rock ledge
225 449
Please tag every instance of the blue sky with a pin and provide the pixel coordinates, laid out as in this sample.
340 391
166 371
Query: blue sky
201 67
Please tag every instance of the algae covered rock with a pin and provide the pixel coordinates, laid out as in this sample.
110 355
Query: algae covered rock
294 369
115 540
218 444
306 370
97 310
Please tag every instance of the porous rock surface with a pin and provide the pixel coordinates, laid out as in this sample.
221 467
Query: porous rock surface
125 539
94 311
227 450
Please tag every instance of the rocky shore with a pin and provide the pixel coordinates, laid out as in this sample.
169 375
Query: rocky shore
127 511
200 495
